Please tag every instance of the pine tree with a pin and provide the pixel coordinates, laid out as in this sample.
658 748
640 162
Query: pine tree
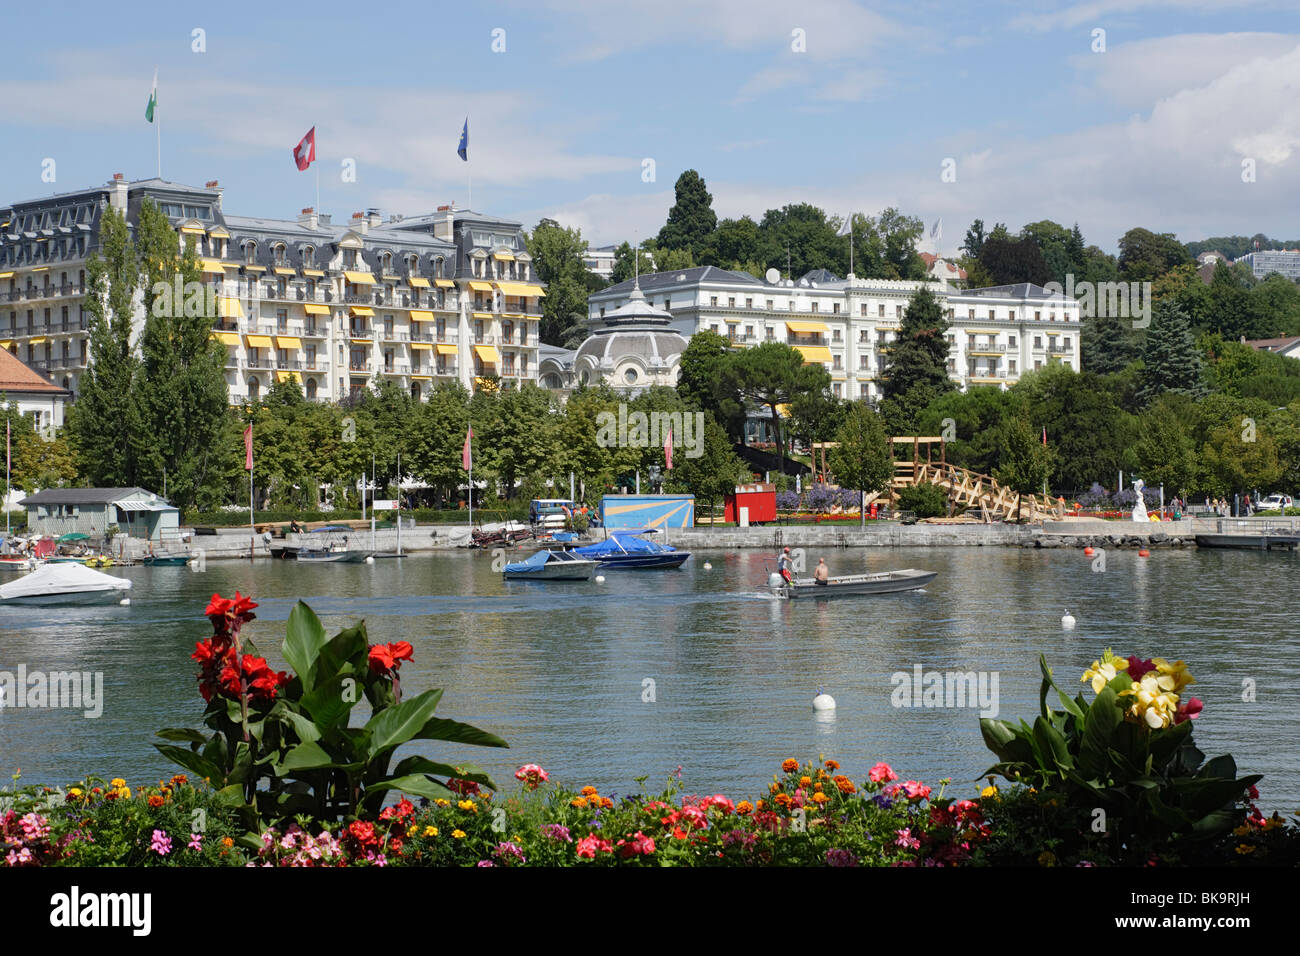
917 369
692 220
102 423
1171 361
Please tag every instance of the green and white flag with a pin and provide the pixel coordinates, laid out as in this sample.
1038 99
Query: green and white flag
153 97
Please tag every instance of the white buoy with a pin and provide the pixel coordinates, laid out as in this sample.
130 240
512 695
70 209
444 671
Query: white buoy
370 560
823 701
125 602
600 579
1067 621
707 566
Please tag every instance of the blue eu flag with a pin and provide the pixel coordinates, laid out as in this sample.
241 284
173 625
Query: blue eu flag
463 149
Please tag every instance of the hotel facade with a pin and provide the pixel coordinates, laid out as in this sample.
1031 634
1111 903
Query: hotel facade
849 325
335 307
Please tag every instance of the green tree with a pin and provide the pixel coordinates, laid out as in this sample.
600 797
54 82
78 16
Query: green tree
916 372
624 265
864 459
180 393
772 374
1165 450
558 257
711 475
1170 360
1009 261
691 220
1145 255
974 242
1026 462
102 423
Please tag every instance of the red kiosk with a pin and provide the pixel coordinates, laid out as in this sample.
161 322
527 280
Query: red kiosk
758 500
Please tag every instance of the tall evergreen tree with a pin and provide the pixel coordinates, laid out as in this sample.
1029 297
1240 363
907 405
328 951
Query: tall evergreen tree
102 422
864 459
1170 358
180 396
692 220
916 372
1107 343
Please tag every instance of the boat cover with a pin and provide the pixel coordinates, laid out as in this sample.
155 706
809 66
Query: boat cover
622 544
61 579
535 563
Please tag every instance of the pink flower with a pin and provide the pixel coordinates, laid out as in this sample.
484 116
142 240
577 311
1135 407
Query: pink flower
906 840
640 844
532 776
196 842
916 790
161 844
719 801
1189 709
882 773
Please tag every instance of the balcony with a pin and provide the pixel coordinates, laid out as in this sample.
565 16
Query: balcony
986 348
259 362
397 368
360 298
359 368
484 338
314 330
360 332
320 295
1057 349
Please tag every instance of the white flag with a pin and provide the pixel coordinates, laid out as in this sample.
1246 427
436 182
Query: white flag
846 227
936 231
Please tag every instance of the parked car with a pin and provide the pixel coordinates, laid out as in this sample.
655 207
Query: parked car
1276 503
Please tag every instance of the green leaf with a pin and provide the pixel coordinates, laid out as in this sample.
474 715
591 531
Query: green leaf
1052 744
345 651
306 730
454 731
1100 722
1223 767
183 734
396 725
305 756
1004 740
303 641
417 785
418 764
195 763
327 704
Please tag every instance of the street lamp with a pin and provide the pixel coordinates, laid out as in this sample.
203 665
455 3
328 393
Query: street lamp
654 478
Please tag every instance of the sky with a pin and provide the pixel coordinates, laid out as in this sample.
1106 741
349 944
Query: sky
1178 116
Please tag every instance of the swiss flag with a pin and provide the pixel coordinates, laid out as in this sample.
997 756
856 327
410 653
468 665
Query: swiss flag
304 154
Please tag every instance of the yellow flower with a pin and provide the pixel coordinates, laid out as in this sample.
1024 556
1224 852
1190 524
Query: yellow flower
468 805
412 831
74 792
1047 858
1241 830
1244 849
458 834
441 802
1154 704
123 793
1102 672
431 831
578 802
117 783
1173 677
990 791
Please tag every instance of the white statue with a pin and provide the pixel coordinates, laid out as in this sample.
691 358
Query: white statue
1139 506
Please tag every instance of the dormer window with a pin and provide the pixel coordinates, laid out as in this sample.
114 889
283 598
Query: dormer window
250 252
308 257
279 254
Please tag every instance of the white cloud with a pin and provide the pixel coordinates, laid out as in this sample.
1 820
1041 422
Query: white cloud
1100 13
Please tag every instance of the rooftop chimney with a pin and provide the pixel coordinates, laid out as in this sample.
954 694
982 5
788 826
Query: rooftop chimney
211 184
360 223
309 218
117 193
117 176
374 216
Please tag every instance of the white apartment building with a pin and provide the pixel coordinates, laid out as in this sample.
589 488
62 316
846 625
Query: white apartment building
337 308
849 325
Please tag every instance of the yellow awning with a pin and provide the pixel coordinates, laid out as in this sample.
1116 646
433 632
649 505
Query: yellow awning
488 353
419 282
814 353
39 340
288 342
282 271
248 268
360 278
423 378
983 331
504 256
419 315
806 328
521 289
6 275
229 308
42 269
218 233
421 347
226 338
485 316
444 283
480 286
213 266
445 349
314 273
6 344
193 230
732 321
230 265
313 309
361 341
283 376
362 310
258 341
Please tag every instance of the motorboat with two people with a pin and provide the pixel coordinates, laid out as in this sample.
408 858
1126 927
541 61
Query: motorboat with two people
629 548
822 585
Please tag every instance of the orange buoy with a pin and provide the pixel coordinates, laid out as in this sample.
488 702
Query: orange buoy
1144 553
1088 551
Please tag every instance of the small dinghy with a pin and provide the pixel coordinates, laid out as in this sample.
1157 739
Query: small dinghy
551 566
850 585
64 584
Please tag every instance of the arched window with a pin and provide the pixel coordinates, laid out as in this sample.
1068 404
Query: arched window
437 268
250 251
311 390
253 387
308 256
278 253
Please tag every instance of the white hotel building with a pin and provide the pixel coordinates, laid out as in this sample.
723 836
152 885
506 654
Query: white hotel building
337 308
848 325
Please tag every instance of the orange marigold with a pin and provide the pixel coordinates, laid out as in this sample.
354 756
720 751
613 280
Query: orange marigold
804 781
820 798
579 802
845 784
790 766
744 807
156 801
782 799
589 791
606 802
832 765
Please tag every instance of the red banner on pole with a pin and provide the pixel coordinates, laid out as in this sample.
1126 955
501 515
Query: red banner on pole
248 447
466 457
668 448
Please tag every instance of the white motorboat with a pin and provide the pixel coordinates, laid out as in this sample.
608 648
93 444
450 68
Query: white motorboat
65 584
551 566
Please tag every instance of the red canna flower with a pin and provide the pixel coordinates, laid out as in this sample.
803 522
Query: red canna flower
389 657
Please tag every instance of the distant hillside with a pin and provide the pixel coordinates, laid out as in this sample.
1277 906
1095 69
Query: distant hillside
1234 247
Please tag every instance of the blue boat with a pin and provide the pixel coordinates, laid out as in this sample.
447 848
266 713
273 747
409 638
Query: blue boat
551 566
626 548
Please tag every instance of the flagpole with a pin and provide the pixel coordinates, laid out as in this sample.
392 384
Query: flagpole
8 489
470 444
318 191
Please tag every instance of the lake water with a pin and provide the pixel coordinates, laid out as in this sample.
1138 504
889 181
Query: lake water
560 670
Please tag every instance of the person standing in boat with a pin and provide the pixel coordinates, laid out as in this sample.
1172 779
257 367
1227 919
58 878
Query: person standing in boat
784 564
822 575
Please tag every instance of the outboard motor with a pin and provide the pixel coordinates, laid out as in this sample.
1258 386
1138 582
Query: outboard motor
775 581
